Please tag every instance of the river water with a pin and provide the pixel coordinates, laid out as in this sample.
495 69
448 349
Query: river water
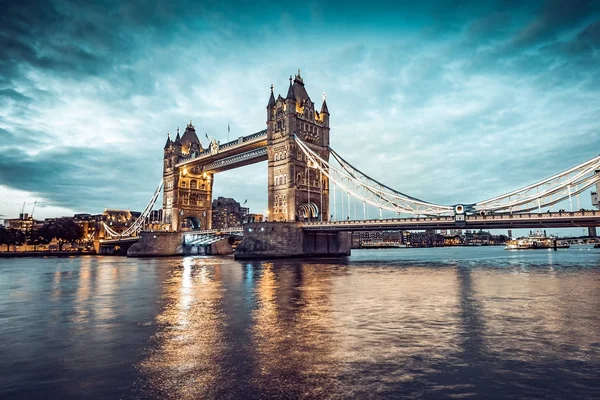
475 322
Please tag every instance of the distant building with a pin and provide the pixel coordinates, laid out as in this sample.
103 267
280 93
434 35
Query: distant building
425 239
377 238
118 220
24 223
227 213
248 218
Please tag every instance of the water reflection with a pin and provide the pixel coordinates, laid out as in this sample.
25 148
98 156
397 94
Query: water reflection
428 324
184 360
292 332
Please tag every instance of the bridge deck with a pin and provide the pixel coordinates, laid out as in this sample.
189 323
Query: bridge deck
496 221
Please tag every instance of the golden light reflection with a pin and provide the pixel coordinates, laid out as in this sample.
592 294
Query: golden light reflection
190 334
83 293
291 335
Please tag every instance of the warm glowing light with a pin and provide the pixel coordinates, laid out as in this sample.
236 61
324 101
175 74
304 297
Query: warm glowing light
185 171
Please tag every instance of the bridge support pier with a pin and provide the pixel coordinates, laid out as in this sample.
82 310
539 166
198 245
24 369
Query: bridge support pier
158 244
287 239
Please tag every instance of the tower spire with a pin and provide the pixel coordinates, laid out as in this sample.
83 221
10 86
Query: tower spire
290 93
272 98
324 106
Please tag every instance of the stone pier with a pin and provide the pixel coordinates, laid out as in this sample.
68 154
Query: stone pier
158 244
161 244
287 239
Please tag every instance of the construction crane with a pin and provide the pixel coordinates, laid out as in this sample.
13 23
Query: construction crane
33 209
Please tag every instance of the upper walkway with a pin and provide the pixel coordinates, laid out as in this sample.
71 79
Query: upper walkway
236 153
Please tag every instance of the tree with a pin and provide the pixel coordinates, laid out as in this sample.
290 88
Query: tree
36 238
10 237
64 230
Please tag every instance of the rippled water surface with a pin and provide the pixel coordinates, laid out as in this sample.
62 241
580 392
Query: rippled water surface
411 323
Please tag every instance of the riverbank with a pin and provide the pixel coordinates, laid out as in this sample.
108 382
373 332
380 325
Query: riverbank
13 254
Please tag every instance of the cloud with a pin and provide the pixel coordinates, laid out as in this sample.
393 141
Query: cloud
449 102
555 16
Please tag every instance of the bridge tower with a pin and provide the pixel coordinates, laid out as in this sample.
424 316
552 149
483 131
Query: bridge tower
297 192
187 194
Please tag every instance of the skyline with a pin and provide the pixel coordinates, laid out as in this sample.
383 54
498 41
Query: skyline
450 102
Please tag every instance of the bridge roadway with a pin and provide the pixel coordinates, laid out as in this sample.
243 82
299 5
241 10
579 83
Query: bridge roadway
495 221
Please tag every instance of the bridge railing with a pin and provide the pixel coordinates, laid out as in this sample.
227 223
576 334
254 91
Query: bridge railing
257 135
215 231
235 159
229 145
468 218
546 215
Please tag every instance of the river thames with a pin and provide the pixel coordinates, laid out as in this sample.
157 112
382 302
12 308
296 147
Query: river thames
475 322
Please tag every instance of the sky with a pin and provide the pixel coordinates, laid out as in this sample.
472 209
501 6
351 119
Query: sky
448 101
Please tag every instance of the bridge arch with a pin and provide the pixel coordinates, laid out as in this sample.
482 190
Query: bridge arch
308 211
190 222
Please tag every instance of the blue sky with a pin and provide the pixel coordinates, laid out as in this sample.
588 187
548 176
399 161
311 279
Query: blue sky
448 101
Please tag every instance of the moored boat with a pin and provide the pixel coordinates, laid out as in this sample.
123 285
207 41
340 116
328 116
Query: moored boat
535 241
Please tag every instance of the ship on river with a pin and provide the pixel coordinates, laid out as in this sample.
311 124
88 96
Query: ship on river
535 241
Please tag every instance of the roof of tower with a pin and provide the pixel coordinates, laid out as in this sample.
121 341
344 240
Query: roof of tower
298 88
271 99
324 106
168 140
290 93
189 137
177 138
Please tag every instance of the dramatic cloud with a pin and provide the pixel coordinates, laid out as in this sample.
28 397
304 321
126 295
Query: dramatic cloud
446 101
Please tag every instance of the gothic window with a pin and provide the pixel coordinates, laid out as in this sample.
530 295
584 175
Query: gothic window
276 156
203 186
193 184
183 184
277 180
284 179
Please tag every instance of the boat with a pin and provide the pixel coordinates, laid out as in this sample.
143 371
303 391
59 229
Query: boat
535 241
382 245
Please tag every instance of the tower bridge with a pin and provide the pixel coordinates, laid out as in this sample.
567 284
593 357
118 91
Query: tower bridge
309 183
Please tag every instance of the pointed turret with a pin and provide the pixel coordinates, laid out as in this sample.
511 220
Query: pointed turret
324 109
271 99
177 138
290 93
168 141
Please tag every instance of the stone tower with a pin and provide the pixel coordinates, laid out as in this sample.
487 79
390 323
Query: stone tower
297 192
187 194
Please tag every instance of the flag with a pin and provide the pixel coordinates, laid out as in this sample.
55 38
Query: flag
206 134
245 201
228 128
